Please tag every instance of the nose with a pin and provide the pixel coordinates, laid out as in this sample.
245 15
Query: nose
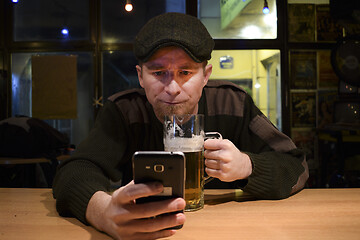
172 88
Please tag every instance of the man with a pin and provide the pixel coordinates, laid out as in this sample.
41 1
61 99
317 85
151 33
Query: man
173 50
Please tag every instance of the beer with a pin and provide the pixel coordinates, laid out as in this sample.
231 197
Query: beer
194 183
185 133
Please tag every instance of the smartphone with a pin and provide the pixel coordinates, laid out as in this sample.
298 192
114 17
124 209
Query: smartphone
165 167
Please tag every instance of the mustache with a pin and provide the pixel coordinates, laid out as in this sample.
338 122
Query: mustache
163 111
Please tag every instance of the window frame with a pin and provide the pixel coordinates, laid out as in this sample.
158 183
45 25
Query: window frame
94 45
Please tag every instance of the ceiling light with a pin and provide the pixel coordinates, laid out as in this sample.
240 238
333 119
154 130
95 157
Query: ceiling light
266 9
128 6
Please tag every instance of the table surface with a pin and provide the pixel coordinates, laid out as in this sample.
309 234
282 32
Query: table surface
228 214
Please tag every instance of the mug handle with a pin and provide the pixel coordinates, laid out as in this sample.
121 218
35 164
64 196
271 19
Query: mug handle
211 135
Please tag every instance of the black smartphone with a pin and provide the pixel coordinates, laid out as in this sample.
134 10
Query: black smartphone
165 167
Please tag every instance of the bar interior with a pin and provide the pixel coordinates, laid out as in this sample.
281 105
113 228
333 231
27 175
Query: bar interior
299 61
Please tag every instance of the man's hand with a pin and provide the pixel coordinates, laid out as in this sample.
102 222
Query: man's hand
119 216
225 161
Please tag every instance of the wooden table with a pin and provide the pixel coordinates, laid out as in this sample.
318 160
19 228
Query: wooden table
311 214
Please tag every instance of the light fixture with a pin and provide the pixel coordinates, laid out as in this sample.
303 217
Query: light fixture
128 6
266 9
15 1
65 32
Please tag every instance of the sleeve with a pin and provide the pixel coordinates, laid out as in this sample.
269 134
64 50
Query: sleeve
92 166
279 168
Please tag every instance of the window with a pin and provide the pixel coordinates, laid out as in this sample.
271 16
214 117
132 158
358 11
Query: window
67 24
239 19
21 83
257 72
37 20
119 72
119 26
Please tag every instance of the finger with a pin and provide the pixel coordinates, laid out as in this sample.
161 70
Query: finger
213 164
158 223
212 154
141 235
132 191
216 173
156 208
154 235
212 144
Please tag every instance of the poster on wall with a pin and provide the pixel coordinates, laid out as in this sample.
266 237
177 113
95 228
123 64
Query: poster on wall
303 71
326 100
301 22
303 109
327 76
327 30
54 87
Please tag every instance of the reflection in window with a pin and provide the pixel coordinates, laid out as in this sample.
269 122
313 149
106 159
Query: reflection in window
257 72
69 20
239 19
120 26
119 72
21 82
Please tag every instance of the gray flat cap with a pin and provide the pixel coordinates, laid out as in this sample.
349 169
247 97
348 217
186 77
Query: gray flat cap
174 29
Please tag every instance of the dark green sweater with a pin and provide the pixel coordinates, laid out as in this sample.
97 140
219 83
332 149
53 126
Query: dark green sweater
127 123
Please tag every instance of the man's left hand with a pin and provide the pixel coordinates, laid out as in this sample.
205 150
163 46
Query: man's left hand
225 161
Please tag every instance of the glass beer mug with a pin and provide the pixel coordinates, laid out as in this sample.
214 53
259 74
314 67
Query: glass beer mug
185 133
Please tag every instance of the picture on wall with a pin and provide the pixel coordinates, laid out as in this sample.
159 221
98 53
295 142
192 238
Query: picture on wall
303 71
303 109
54 86
325 107
327 30
301 22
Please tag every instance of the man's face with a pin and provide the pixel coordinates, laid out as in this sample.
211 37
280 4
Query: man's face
173 81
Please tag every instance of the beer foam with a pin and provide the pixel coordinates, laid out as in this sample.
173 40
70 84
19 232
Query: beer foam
193 144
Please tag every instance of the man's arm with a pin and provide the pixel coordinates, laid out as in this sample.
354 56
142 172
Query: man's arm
280 171
119 216
255 150
92 165
82 182
277 175
270 175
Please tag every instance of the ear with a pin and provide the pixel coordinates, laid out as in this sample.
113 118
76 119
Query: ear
138 70
207 73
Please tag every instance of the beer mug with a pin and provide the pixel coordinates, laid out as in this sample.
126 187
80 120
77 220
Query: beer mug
185 133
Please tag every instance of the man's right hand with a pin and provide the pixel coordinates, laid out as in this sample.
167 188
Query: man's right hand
119 216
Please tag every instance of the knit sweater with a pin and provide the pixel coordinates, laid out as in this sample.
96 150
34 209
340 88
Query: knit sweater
127 123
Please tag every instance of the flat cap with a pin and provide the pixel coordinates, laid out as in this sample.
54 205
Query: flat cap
174 29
